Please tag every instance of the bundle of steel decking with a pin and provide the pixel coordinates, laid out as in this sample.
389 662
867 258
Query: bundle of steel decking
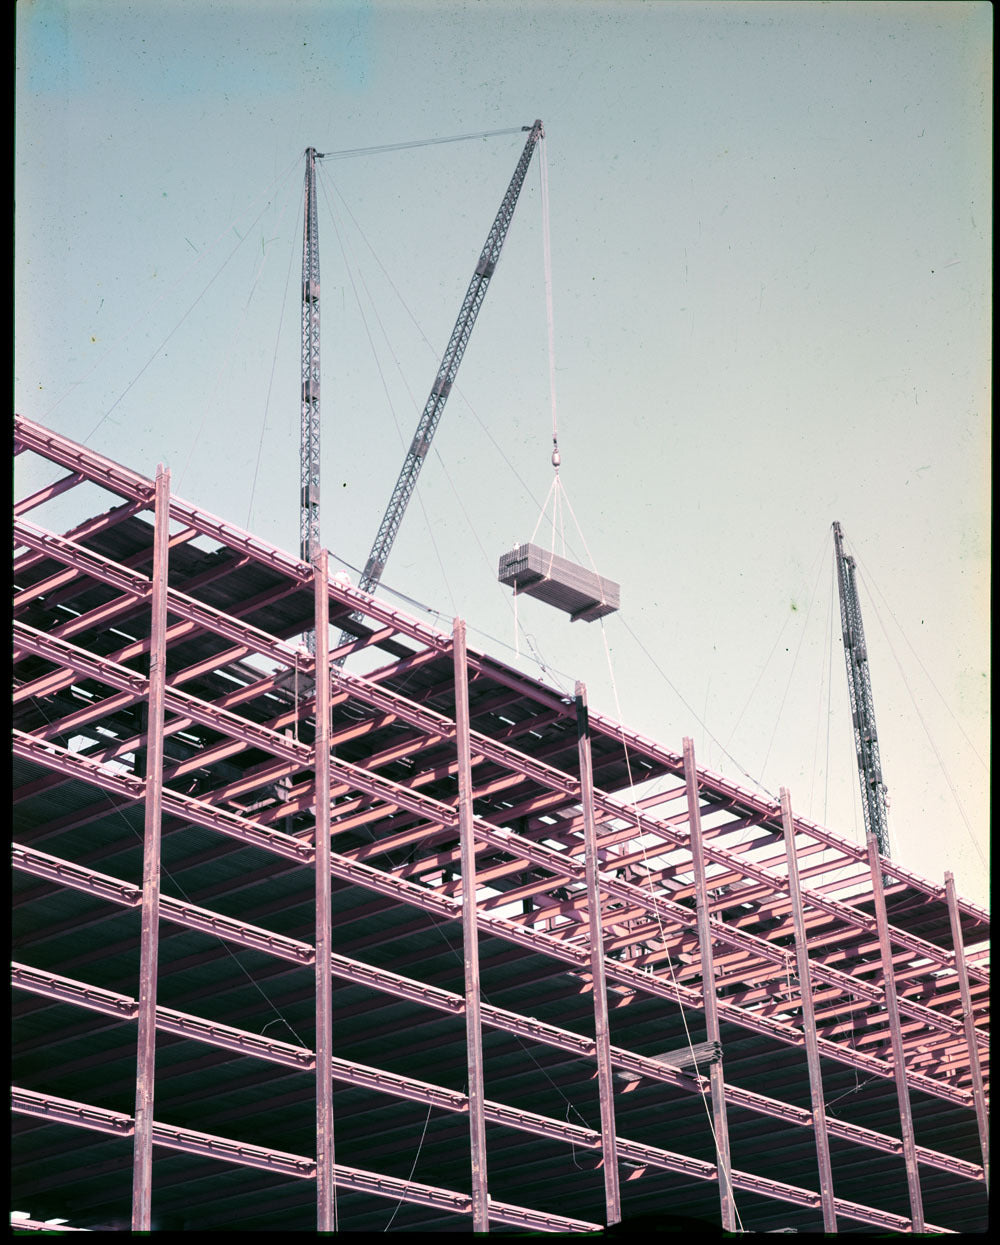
557 581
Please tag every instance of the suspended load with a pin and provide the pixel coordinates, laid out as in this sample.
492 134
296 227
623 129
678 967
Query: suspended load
557 581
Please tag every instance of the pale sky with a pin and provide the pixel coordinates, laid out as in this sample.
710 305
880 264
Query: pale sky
771 253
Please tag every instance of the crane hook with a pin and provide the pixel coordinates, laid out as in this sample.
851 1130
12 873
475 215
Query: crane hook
556 459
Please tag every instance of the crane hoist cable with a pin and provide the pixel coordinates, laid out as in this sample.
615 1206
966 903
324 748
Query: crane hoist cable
445 378
420 142
549 317
542 573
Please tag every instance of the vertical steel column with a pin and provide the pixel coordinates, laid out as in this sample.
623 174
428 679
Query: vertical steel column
898 1060
470 938
609 1140
326 1204
142 1153
720 1124
809 1019
968 1020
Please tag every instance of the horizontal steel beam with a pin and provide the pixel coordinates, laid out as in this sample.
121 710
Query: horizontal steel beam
130 484
191 1141
712 785
556 780
185 807
87 464
42 865
555 861
421 718
247 732
419 896
47 493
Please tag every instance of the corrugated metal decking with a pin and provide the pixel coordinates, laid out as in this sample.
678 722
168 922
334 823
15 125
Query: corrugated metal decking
557 581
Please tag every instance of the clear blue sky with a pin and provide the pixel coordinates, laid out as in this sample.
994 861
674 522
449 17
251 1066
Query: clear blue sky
771 251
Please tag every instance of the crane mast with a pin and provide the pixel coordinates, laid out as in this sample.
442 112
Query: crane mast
309 430
446 373
873 789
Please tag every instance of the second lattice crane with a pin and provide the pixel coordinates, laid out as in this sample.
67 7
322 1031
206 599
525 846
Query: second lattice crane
859 686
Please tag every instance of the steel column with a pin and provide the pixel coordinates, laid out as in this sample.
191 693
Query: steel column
326 1204
602 1033
142 1154
716 1078
898 1059
809 1020
470 938
975 1066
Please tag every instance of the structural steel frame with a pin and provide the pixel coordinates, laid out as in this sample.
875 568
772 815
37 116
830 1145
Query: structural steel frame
162 667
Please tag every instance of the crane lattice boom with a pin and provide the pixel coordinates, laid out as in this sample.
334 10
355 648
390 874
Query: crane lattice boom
873 789
447 372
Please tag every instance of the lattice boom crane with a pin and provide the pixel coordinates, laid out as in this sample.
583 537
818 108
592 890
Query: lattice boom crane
447 372
873 789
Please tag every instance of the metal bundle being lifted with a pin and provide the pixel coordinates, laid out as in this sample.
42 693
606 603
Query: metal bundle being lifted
557 581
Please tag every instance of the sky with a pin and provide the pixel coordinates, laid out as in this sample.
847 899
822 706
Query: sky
769 302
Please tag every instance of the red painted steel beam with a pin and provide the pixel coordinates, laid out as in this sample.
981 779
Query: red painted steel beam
229 929
971 1036
554 779
326 1203
404 666
555 862
123 699
58 449
809 1021
256 776
240 828
720 1129
191 1141
181 604
737 797
142 1166
98 711
129 484
43 587
81 584
81 559
83 531
470 939
241 729
898 1056
185 807
609 1144
128 674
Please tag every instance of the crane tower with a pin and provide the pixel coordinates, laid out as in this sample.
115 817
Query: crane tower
309 433
859 686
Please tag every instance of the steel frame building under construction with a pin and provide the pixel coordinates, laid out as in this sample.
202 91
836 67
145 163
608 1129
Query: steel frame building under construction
432 947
